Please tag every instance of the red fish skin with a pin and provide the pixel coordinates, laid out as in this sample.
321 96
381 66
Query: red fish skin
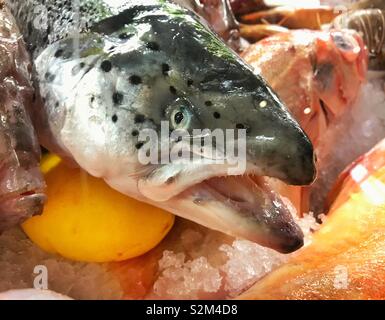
306 67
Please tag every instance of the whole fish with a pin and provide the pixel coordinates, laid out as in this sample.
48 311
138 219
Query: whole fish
21 182
106 71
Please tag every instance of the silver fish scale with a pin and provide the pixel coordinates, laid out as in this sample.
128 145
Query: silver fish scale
43 22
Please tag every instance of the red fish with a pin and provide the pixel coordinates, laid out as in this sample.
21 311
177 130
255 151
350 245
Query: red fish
317 74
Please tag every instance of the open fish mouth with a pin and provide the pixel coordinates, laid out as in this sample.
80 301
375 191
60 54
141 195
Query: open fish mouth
243 206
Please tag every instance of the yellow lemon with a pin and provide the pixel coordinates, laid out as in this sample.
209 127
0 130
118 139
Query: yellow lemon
84 219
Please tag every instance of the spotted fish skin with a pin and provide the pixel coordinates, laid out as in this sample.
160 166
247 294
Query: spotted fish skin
105 73
21 182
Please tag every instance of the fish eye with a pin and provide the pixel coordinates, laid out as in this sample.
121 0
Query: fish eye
347 44
180 118
342 42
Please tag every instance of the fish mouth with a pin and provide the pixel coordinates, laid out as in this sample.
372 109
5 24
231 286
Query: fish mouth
19 206
244 206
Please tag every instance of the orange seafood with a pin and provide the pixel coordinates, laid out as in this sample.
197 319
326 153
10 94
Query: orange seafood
257 32
317 74
293 18
342 262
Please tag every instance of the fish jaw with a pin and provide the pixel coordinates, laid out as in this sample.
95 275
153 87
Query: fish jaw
243 206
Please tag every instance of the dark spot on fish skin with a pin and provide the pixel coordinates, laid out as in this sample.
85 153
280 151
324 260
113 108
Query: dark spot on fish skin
216 115
173 90
178 139
112 48
190 82
153 46
139 118
165 69
139 145
135 80
240 126
135 133
92 99
208 103
117 98
59 53
82 65
125 36
106 66
202 142
114 118
57 105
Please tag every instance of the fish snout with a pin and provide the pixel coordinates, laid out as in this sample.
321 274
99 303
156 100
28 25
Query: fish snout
281 149
287 238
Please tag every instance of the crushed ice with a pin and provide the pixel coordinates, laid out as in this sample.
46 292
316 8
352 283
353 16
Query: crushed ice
245 262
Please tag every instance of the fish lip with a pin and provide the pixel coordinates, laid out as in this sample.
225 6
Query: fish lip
18 206
270 225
